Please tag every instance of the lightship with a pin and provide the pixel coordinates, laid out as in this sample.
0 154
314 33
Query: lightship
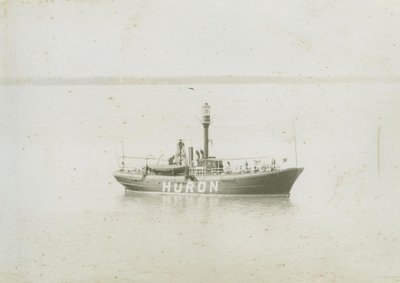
184 174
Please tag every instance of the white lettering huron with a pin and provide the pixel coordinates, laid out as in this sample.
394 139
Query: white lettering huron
176 190
165 187
189 186
201 187
214 186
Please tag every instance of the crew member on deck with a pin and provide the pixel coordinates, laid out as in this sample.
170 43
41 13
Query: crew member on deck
228 167
273 162
180 155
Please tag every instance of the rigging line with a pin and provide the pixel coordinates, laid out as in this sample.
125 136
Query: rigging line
240 158
137 157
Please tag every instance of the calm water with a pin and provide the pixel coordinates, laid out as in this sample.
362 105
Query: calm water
65 219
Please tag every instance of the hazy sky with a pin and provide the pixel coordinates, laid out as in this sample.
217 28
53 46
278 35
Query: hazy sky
189 38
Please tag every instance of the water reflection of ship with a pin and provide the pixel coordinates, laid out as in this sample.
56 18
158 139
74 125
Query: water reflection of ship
208 175
183 201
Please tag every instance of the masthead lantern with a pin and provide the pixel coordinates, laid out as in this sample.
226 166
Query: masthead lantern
206 113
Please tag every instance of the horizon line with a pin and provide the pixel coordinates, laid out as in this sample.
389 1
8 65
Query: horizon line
196 80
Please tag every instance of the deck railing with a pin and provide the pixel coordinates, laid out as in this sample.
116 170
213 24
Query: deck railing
237 169
229 166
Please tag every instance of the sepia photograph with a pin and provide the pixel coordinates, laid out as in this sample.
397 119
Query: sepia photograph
199 141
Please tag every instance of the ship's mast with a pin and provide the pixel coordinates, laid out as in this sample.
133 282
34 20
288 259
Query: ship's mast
295 143
206 123
123 155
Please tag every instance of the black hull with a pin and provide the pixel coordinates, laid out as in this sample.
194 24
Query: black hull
277 182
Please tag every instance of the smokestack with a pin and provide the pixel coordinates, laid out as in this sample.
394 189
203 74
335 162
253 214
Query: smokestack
206 123
190 156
